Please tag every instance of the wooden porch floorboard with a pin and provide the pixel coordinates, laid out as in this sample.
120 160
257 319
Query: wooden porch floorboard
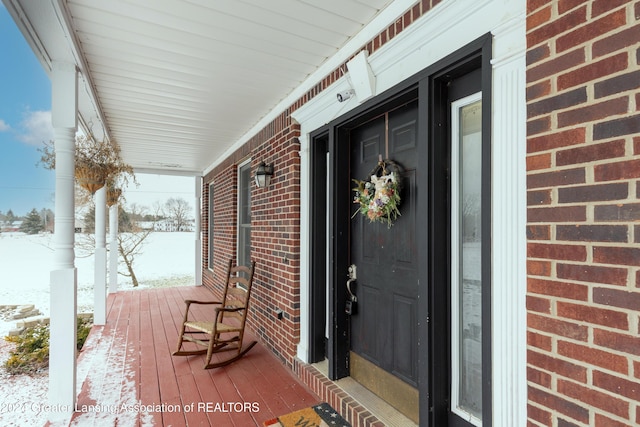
127 365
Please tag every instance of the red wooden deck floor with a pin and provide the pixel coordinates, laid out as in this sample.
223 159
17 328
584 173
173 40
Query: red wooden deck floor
130 378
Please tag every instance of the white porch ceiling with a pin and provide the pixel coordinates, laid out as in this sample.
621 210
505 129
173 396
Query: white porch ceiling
178 82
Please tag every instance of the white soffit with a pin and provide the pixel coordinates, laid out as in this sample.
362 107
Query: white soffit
180 83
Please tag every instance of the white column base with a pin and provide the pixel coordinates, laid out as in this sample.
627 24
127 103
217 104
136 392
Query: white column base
62 347
100 287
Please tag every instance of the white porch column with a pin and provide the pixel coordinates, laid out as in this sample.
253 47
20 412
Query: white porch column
509 241
62 347
198 230
305 256
100 273
113 249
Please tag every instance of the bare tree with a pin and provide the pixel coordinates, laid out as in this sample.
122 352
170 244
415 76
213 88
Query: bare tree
131 239
130 242
178 211
130 245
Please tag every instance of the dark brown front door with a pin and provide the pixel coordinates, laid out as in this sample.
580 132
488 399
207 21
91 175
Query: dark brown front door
384 327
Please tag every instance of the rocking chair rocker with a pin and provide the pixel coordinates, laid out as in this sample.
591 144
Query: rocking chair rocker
224 332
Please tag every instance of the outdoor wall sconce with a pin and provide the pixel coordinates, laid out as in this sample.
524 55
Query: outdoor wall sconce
263 175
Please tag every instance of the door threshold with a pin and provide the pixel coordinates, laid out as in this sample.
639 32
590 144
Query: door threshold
384 412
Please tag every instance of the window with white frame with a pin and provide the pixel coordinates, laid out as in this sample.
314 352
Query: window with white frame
210 227
244 213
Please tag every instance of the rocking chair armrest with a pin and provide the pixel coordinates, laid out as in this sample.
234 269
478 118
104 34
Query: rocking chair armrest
193 301
229 309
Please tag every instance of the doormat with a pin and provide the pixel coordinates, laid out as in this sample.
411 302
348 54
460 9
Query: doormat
321 415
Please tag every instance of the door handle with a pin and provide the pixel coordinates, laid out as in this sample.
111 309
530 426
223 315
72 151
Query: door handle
350 305
352 278
351 295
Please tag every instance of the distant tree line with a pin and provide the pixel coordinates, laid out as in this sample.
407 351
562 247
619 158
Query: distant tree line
176 210
32 223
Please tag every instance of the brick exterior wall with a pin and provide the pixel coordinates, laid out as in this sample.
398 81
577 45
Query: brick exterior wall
275 222
275 235
583 170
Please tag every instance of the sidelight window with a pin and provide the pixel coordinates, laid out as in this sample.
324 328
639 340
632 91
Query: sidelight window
466 259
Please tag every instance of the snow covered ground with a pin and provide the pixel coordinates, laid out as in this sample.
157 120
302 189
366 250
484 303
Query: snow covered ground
166 259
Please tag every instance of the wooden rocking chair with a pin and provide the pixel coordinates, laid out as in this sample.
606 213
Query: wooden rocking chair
225 330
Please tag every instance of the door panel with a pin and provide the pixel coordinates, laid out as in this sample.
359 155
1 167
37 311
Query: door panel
403 242
384 328
366 340
370 147
404 312
403 137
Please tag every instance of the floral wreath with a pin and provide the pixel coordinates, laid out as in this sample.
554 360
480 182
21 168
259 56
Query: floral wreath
379 197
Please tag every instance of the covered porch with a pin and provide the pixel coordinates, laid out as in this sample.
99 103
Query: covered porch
128 376
215 91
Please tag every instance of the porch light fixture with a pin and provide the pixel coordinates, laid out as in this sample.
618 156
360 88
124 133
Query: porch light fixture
263 175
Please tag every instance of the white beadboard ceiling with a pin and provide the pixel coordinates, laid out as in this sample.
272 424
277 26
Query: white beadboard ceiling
178 82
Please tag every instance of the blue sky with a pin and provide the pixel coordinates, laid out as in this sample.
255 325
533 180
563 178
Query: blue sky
25 123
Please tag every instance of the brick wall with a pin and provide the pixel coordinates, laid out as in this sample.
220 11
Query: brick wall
583 167
275 234
225 185
275 240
